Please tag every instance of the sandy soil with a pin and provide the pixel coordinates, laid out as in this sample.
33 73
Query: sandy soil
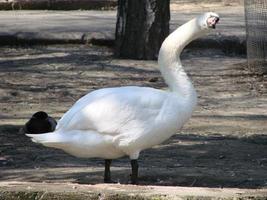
223 145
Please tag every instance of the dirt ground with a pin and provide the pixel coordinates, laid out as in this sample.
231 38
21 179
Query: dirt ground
223 145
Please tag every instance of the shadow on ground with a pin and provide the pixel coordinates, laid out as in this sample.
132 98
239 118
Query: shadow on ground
223 145
184 160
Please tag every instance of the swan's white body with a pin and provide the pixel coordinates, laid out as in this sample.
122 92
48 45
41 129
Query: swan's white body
113 122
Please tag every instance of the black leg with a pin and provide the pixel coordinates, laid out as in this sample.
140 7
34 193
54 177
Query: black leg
107 178
134 176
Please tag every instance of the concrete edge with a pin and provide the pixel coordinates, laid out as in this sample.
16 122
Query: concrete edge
46 191
58 5
28 38
228 44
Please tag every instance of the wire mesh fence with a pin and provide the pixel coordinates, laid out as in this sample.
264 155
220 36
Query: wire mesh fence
256 25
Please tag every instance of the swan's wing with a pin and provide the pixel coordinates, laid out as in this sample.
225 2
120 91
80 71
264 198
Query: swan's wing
82 102
115 110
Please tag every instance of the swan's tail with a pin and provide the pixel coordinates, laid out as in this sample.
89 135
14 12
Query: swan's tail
47 139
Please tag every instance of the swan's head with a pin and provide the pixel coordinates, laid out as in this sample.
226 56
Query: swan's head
40 122
208 20
40 115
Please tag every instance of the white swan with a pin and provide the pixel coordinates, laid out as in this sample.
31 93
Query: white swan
113 122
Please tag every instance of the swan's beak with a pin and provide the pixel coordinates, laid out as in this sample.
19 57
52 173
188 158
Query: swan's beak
212 21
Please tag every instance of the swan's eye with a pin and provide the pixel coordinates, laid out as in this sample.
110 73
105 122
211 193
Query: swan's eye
212 21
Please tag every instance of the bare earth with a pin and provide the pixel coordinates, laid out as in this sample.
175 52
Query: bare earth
223 145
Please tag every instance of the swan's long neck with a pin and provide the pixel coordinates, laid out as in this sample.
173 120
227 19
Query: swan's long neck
169 59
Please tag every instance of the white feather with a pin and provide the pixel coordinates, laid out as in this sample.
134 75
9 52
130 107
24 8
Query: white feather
113 122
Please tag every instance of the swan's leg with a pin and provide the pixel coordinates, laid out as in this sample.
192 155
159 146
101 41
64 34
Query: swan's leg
134 176
107 178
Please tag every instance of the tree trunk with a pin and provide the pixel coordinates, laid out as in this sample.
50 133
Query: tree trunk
141 27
